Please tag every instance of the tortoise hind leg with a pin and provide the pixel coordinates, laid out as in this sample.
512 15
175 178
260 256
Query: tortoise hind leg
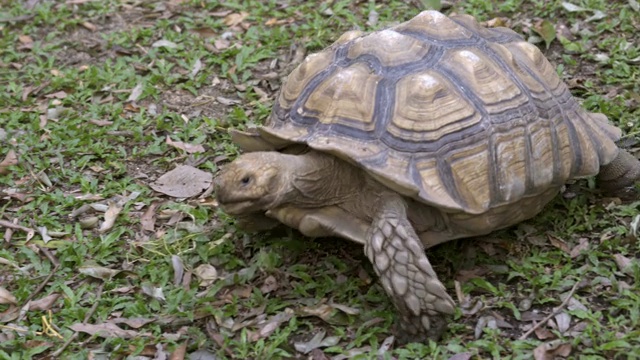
399 259
619 177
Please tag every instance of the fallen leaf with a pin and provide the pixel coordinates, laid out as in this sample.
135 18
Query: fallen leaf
317 341
546 30
10 159
318 354
189 148
178 269
152 291
101 122
105 330
563 321
226 101
56 95
323 311
544 333
205 32
25 39
461 356
270 284
624 264
135 323
110 216
196 68
45 303
44 234
578 249
6 297
235 18
271 325
559 243
206 273
551 349
89 26
165 44
572 8
634 5
345 309
135 93
183 182
179 353
148 219
372 19
30 232
221 44
98 272
488 322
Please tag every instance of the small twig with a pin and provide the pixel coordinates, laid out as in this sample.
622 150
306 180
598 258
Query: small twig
42 284
86 318
553 313
49 256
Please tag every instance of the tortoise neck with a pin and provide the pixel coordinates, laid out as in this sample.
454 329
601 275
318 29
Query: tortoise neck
321 180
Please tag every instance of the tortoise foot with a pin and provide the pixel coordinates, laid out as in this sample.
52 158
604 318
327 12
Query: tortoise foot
406 274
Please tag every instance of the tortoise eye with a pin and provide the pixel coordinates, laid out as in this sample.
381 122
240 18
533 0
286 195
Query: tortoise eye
245 180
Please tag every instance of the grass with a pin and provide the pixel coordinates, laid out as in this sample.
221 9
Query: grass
69 73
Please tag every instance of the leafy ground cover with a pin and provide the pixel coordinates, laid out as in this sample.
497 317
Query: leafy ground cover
108 106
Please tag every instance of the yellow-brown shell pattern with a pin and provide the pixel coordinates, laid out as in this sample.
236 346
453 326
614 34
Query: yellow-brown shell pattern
446 111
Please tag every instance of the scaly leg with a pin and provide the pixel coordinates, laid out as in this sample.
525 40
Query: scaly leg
619 177
399 259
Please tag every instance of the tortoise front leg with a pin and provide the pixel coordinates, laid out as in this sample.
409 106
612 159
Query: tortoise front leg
619 177
399 259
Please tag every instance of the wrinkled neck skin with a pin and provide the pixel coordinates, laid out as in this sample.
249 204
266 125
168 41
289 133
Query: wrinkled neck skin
318 180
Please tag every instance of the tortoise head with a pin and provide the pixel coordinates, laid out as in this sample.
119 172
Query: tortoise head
252 183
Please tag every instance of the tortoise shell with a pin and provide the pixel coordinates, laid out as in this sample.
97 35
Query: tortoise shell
443 110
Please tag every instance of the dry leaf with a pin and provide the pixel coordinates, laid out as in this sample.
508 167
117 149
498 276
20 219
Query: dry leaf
6 297
183 182
206 273
98 272
178 269
105 330
461 356
101 122
205 32
189 148
165 43
148 219
135 93
10 159
270 284
152 291
323 311
221 44
543 333
110 216
578 249
550 350
559 243
271 325
30 232
25 39
135 323
89 26
45 303
624 264
196 68
317 341
235 18
56 95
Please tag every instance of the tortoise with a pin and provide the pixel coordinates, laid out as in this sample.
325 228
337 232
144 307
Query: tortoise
431 130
